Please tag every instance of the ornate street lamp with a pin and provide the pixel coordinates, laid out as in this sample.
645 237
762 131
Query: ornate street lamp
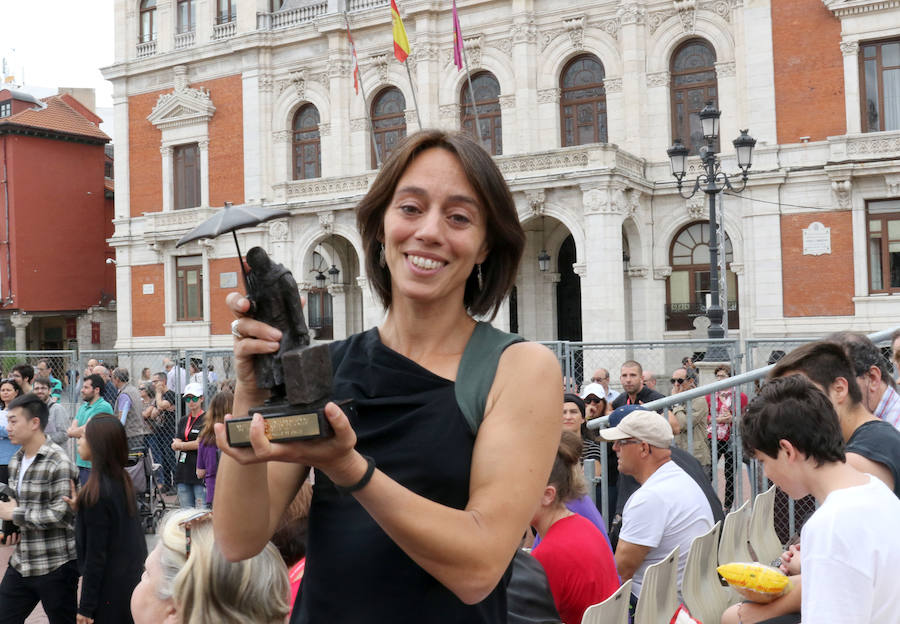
333 273
543 257
714 181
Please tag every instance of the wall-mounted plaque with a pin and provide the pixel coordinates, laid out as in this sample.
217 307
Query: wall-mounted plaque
816 240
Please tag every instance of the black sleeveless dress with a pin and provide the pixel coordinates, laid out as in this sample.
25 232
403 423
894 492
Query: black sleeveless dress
410 421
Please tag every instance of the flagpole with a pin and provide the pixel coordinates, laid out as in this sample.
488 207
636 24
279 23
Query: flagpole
415 99
362 92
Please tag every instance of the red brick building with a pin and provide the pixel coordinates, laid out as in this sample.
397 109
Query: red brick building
56 211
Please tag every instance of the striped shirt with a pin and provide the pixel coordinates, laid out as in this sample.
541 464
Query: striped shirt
46 522
591 450
889 407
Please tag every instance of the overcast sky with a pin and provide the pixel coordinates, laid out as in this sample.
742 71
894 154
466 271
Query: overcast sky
59 43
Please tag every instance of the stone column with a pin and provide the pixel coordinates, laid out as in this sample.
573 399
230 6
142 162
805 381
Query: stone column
603 284
522 106
633 39
344 161
372 311
204 172
168 178
252 95
165 29
338 294
657 313
20 321
303 288
850 50
122 183
641 302
206 17
425 67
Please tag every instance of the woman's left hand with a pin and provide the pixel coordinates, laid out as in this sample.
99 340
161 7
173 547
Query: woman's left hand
335 456
72 498
83 619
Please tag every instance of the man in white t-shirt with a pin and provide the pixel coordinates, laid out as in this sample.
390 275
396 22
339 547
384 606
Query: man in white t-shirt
850 546
668 510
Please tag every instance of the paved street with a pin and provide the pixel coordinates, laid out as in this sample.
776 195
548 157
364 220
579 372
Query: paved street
37 617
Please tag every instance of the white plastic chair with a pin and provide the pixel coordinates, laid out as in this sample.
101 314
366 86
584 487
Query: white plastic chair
762 536
703 594
733 545
659 592
613 610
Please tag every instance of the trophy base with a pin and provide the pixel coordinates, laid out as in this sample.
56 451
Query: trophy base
286 423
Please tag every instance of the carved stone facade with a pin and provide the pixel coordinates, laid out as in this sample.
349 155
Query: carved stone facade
608 197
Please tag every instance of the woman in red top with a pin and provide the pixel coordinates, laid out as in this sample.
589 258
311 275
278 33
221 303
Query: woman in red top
579 564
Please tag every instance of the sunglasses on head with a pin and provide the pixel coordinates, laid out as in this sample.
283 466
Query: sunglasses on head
191 399
188 523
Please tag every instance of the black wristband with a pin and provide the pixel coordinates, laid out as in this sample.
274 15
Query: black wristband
363 482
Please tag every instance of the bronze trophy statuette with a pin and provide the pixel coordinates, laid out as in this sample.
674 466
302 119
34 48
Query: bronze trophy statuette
298 376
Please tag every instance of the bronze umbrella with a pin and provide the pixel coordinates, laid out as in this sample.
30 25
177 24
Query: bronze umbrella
230 219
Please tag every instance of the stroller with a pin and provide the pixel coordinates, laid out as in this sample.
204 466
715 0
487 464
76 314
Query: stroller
150 503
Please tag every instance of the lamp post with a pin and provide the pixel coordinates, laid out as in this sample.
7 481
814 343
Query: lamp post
713 181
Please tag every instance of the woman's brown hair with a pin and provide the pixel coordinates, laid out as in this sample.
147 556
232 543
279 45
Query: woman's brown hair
505 236
109 455
565 475
220 405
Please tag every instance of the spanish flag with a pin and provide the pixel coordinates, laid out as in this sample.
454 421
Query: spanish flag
401 42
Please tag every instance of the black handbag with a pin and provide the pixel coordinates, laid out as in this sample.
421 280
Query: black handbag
528 597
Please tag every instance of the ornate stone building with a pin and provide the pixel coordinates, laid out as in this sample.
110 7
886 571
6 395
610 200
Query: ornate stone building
253 101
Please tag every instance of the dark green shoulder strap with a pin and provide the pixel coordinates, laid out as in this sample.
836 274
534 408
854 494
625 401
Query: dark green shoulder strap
477 369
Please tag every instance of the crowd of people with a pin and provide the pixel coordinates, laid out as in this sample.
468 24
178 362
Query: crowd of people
452 488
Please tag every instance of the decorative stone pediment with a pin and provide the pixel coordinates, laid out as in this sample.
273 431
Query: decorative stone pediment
182 107
842 8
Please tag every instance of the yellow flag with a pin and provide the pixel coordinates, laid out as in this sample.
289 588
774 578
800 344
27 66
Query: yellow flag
401 42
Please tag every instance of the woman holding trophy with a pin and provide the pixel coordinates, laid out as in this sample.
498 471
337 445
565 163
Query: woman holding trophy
421 501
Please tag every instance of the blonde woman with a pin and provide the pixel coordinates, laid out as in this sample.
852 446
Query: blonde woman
186 579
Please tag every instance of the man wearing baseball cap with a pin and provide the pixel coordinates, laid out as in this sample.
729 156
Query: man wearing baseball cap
191 490
668 510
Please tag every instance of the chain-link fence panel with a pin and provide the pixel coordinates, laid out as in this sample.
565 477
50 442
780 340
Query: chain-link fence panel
160 378
582 363
57 367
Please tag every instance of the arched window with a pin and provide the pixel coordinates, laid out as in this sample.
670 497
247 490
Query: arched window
689 283
582 101
693 85
148 20
186 19
487 99
307 143
389 120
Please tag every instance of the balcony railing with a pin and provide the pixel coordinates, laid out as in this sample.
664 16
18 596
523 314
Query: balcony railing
362 5
290 17
680 316
223 31
184 40
146 48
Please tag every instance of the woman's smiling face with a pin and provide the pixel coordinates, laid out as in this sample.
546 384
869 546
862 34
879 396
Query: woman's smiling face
434 230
